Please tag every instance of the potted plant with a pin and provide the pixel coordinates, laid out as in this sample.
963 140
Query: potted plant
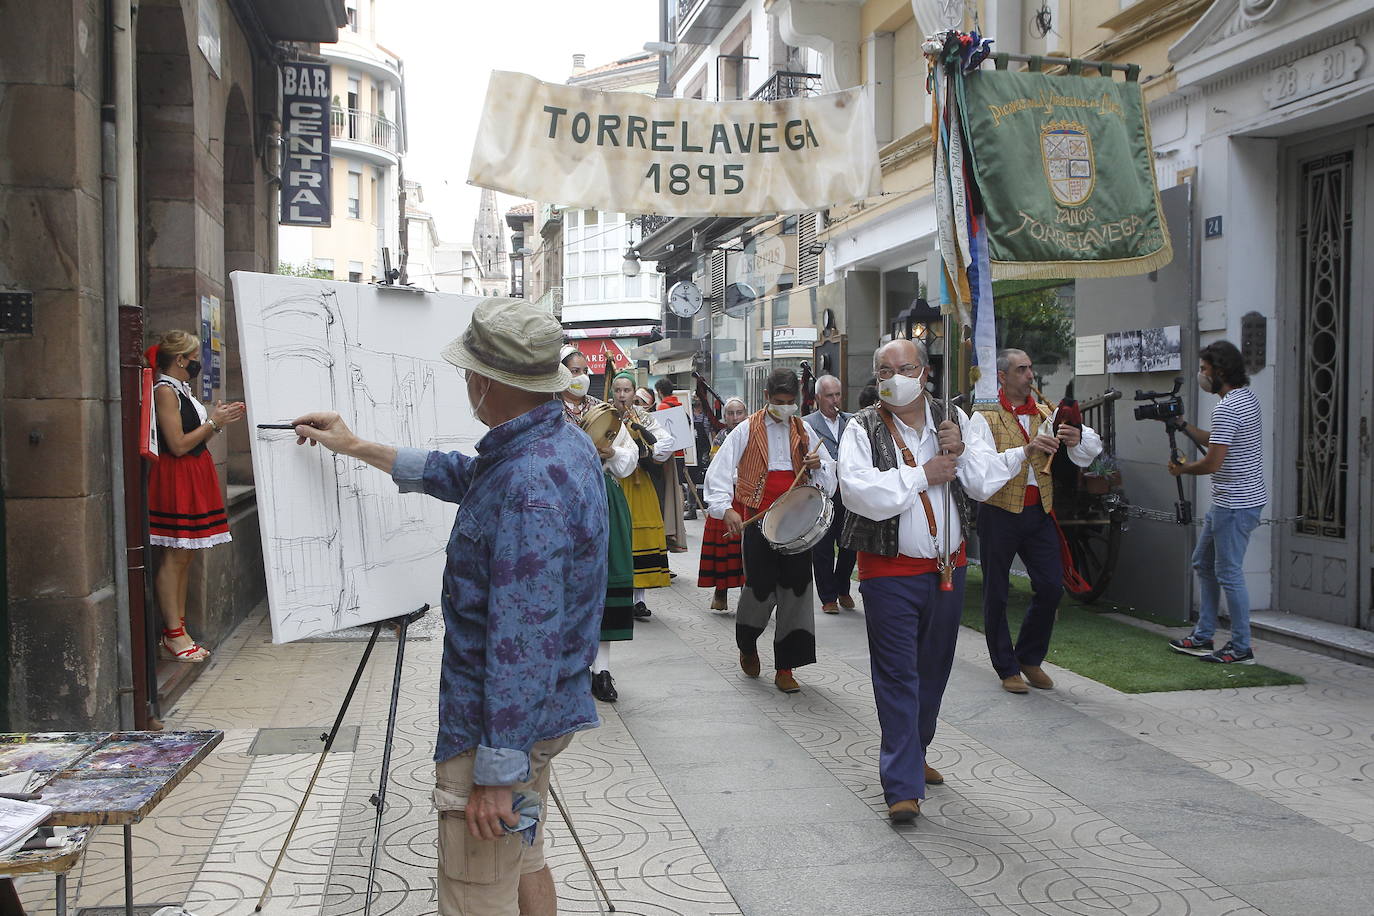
1100 477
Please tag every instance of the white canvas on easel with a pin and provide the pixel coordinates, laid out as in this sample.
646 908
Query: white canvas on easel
341 546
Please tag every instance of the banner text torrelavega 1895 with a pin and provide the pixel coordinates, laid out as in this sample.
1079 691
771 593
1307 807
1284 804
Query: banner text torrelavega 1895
630 153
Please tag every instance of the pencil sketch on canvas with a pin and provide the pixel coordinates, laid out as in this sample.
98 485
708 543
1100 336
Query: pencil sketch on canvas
341 546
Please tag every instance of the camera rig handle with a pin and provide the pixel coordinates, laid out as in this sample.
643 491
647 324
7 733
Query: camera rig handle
1183 509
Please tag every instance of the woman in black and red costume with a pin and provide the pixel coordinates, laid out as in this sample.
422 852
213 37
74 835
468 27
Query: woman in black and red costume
185 503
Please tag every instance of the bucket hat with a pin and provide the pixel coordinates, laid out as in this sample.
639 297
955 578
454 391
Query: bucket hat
512 342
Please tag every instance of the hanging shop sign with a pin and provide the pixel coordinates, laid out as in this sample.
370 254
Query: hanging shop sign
789 342
1088 205
305 178
630 153
603 352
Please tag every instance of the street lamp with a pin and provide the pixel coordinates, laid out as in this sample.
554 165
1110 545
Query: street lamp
630 266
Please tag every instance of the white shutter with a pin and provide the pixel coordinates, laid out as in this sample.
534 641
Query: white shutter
808 265
716 287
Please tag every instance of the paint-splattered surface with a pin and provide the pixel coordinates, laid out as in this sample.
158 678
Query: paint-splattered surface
45 752
104 778
32 861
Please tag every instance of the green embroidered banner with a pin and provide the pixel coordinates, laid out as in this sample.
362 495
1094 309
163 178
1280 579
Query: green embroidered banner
1064 167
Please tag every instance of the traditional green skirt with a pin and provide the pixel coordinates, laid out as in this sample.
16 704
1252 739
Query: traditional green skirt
617 619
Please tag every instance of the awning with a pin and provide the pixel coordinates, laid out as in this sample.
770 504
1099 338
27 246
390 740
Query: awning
603 352
302 20
667 349
635 330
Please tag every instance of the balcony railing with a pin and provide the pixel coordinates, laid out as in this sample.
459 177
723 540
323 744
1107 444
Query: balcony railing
788 84
364 127
649 223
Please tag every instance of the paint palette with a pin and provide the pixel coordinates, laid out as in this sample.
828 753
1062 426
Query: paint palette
104 778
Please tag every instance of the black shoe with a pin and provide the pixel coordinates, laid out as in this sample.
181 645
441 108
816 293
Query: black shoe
1227 655
603 687
641 611
1191 645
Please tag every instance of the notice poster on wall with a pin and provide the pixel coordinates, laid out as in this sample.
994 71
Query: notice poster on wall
1089 354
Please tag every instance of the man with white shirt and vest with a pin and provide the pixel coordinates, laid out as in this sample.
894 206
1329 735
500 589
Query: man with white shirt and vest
1016 520
832 564
757 464
1235 459
904 468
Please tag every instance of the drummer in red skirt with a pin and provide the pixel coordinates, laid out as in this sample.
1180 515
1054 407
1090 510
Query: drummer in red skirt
721 567
185 504
756 466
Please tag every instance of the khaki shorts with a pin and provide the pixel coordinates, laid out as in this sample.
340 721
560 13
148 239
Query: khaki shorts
482 877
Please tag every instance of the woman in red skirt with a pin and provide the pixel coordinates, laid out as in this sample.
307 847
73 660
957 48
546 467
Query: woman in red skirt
185 505
721 567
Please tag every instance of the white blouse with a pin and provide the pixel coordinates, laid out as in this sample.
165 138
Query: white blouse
185 388
724 467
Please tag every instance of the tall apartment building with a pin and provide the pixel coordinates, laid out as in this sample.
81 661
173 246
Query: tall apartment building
368 139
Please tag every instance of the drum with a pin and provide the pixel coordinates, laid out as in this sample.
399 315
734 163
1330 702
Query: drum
798 520
602 423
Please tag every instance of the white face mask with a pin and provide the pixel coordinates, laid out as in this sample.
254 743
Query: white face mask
1204 381
900 390
782 412
579 385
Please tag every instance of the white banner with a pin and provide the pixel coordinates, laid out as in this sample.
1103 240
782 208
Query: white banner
623 152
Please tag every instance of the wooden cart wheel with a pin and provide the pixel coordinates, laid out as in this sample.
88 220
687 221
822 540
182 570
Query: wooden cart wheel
1095 543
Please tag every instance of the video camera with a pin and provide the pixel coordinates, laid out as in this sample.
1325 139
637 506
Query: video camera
1167 405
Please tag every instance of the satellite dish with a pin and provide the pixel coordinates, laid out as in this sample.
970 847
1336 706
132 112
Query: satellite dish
739 299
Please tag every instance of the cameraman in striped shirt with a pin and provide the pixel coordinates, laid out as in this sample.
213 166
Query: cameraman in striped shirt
1235 460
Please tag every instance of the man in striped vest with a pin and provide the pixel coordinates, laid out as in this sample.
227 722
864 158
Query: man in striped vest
759 462
1017 520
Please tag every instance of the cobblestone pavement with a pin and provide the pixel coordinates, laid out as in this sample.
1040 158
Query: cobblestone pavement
708 793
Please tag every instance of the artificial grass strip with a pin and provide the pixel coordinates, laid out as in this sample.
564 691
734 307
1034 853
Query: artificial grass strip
1120 655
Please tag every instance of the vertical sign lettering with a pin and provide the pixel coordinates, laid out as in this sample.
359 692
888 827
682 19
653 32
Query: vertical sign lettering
305 185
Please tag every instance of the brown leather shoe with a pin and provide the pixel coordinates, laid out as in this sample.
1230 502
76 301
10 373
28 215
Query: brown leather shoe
785 682
1037 677
749 664
904 812
847 602
830 607
933 777
1014 684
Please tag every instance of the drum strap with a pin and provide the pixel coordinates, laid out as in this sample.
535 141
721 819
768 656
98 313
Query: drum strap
910 461
795 480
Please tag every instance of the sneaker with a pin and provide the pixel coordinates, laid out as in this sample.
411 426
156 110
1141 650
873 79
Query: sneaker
1227 655
641 612
1191 645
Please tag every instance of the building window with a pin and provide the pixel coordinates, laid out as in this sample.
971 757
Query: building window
355 193
355 271
789 226
352 17
325 266
782 302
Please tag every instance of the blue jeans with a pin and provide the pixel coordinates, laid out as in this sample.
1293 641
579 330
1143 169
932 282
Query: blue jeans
1219 561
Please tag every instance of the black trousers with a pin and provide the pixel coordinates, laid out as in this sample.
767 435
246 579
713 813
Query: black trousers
1003 536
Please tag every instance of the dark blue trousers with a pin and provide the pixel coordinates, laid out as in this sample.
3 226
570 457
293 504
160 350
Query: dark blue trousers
1003 536
831 563
912 630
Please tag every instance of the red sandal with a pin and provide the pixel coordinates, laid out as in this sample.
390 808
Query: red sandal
185 655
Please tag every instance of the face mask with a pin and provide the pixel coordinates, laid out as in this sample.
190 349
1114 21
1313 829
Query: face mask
579 385
477 408
900 390
1204 381
193 368
782 412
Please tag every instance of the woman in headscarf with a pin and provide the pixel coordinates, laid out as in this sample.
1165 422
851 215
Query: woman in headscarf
721 565
619 459
653 447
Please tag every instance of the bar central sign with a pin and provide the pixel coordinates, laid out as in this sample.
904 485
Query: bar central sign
306 194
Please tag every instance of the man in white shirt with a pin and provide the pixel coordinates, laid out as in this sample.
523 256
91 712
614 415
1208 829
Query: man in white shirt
1016 521
756 465
832 566
904 468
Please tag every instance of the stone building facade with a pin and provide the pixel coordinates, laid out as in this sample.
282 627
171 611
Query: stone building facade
179 97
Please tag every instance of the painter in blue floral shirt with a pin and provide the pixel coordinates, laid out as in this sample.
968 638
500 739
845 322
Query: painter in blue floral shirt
523 590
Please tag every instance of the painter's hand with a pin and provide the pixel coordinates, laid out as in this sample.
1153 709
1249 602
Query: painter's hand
951 438
488 807
324 428
734 525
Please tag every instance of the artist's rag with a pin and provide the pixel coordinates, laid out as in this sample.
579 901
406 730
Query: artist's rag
529 810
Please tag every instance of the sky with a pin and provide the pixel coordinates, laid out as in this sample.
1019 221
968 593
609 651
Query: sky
450 48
